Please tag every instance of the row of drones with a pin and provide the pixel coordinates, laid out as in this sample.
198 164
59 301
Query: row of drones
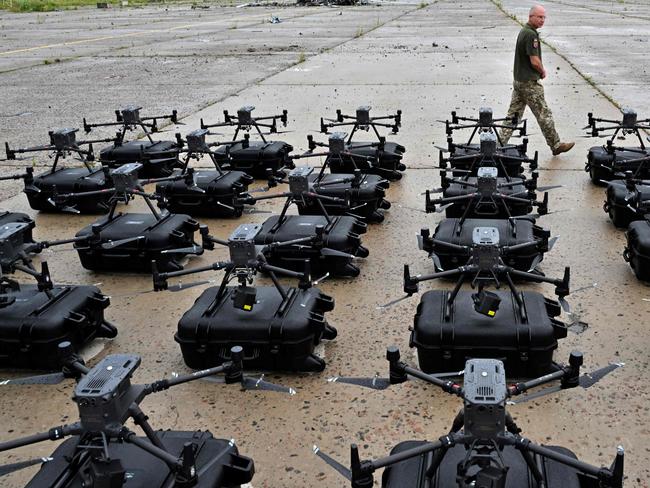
489 238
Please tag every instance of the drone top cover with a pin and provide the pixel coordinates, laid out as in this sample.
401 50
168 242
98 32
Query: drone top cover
32 324
256 157
507 160
341 243
637 251
627 203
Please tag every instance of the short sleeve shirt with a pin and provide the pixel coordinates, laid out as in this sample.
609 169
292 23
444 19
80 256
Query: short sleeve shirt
528 44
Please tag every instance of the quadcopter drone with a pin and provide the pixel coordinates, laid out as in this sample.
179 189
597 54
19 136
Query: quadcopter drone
608 162
386 157
508 159
35 317
254 157
158 158
222 190
627 200
518 325
103 452
41 188
277 327
484 447
130 241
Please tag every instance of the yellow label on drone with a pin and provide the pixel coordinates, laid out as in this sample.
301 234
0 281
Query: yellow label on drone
491 313
248 307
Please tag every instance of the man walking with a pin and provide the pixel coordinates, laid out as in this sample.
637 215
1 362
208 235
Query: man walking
527 90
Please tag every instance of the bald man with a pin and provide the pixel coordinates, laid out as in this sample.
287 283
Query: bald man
527 90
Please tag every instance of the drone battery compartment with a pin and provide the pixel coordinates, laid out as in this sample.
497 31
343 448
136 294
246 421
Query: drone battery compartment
411 473
603 165
619 199
275 335
256 157
69 180
33 325
172 231
386 162
343 234
526 231
637 251
366 199
147 471
492 207
526 347
509 159
158 158
218 200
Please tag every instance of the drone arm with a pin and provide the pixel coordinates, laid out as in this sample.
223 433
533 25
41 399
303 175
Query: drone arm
167 383
274 269
519 388
170 460
54 434
447 386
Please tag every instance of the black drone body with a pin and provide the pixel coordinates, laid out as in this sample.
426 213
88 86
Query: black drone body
329 242
380 157
130 241
637 250
35 318
41 188
222 191
450 325
278 327
103 453
158 158
489 151
484 447
610 161
253 157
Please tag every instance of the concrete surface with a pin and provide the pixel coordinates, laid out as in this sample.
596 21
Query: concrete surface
426 61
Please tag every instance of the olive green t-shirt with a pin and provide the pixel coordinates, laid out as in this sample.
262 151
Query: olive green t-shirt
528 44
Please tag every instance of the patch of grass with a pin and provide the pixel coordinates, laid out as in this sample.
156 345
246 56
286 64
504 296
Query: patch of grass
359 33
301 58
232 27
50 5
423 5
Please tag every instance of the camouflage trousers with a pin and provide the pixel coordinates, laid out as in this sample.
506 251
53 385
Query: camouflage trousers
531 94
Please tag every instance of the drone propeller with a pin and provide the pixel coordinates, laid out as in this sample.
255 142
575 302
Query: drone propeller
443 149
326 251
393 302
442 208
547 188
42 379
535 263
321 279
342 470
120 242
552 241
10 468
194 249
377 383
248 383
587 380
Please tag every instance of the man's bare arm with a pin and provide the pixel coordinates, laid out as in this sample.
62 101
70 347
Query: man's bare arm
536 62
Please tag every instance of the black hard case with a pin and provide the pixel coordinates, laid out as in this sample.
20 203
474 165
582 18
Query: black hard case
32 326
387 162
256 158
603 165
497 211
637 251
219 200
511 160
69 180
343 234
172 231
526 347
11 217
620 198
275 334
366 199
158 158
526 231
411 473
146 471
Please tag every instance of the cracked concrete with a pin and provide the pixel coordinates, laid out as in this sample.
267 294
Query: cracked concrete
421 60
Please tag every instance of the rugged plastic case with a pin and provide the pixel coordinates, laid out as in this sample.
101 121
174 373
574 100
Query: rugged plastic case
366 199
620 198
158 158
387 162
602 165
231 470
11 217
637 251
221 191
411 473
525 345
484 210
32 325
275 334
343 234
172 231
256 158
69 180
511 160
525 231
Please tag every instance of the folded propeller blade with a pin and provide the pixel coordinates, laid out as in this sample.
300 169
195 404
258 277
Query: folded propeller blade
249 383
342 470
326 251
10 468
43 379
195 249
375 383
120 242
